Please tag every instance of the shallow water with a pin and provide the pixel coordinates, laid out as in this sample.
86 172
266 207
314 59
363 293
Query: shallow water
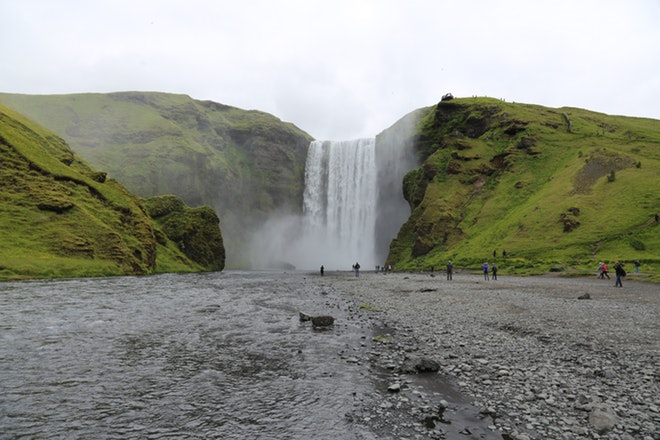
220 355
216 355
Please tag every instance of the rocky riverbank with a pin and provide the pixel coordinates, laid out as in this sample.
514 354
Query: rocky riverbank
517 358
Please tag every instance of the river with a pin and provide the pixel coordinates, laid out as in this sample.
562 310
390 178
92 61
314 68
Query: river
213 356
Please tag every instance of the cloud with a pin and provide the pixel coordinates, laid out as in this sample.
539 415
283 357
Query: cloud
341 69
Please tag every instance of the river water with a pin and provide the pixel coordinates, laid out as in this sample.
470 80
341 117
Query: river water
216 355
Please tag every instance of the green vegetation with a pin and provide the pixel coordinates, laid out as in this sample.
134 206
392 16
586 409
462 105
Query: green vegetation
195 231
553 187
61 218
243 164
558 189
368 307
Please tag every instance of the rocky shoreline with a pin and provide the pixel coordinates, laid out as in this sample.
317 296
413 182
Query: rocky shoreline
518 358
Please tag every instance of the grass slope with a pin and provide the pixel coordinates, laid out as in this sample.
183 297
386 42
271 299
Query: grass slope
555 188
244 164
61 218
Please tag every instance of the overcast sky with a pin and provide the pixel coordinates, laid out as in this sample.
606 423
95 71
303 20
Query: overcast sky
340 69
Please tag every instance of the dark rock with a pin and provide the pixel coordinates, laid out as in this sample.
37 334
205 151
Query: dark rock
585 296
211 308
574 210
322 321
419 365
99 176
67 160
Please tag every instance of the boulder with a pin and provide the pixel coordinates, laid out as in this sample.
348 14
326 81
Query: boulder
322 321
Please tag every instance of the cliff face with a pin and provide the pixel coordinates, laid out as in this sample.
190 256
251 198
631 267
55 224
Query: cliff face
246 165
551 187
61 218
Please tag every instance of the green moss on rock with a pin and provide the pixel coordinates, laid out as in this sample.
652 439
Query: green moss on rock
196 231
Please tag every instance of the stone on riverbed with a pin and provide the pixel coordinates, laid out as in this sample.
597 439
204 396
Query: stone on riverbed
419 365
394 388
603 418
317 321
322 321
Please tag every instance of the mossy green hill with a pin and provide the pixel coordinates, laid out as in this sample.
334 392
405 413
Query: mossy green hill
61 218
554 188
245 164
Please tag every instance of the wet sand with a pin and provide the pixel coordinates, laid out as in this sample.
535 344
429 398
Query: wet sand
536 361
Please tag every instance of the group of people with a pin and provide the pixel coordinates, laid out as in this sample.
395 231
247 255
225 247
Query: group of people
487 268
490 271
619 272
493 270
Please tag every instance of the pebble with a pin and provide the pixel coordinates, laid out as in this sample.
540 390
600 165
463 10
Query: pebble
539 362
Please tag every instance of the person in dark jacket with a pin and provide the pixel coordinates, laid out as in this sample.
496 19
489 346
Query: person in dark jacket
620 272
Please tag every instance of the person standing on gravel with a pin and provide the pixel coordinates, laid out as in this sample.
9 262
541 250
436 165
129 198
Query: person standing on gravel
605 271
493 270
356 268
485 267
450 270
620 272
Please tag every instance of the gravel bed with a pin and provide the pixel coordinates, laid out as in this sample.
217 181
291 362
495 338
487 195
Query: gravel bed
527 357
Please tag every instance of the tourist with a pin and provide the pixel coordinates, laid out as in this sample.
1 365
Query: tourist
618 269
600 270
450 270
605 271
322 270
356 268
485 267
493 269
637 264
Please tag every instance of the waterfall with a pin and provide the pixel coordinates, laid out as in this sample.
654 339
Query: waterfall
339 202
353 205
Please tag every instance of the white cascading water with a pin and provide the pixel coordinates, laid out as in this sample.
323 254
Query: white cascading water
353 205
339 204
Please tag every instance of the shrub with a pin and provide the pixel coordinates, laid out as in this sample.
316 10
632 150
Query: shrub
637 245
